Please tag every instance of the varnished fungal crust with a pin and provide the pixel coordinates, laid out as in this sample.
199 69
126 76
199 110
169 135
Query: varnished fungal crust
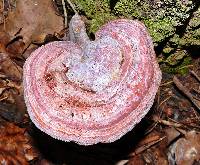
92 91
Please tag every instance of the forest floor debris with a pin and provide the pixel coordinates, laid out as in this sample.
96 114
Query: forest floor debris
169 134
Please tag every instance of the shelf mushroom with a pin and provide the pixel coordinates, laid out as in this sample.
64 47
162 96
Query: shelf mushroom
92 91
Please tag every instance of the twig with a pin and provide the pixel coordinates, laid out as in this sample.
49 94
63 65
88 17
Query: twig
158 99
186 92
164 101
168 123
122 162
195 75
152 127
195 113
183 124
4 98
145 147
160 114
181 131
72 6
195 90
167 83
65 12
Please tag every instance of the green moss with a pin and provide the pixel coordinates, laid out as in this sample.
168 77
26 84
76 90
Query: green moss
160 29
174 58
163 19
181 68
97 11
98 21
167 50
192 32
130 8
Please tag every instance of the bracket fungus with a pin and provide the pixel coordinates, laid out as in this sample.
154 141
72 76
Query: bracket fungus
92 91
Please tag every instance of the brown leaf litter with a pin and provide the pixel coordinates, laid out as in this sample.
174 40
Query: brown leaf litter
15 145
32 19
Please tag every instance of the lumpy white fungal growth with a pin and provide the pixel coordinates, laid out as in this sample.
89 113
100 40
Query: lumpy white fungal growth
92 91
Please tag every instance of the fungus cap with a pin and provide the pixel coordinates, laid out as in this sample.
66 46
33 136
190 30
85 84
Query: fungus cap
92 91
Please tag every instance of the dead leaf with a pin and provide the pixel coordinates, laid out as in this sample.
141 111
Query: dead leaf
15 146
138 159
3 86
11 112
176 57
186 150
171 134
33 18
150 150
15 48
13 107
15 85
9 67
4 40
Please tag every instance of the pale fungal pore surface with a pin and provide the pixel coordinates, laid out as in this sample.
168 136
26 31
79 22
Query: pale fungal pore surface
92 91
